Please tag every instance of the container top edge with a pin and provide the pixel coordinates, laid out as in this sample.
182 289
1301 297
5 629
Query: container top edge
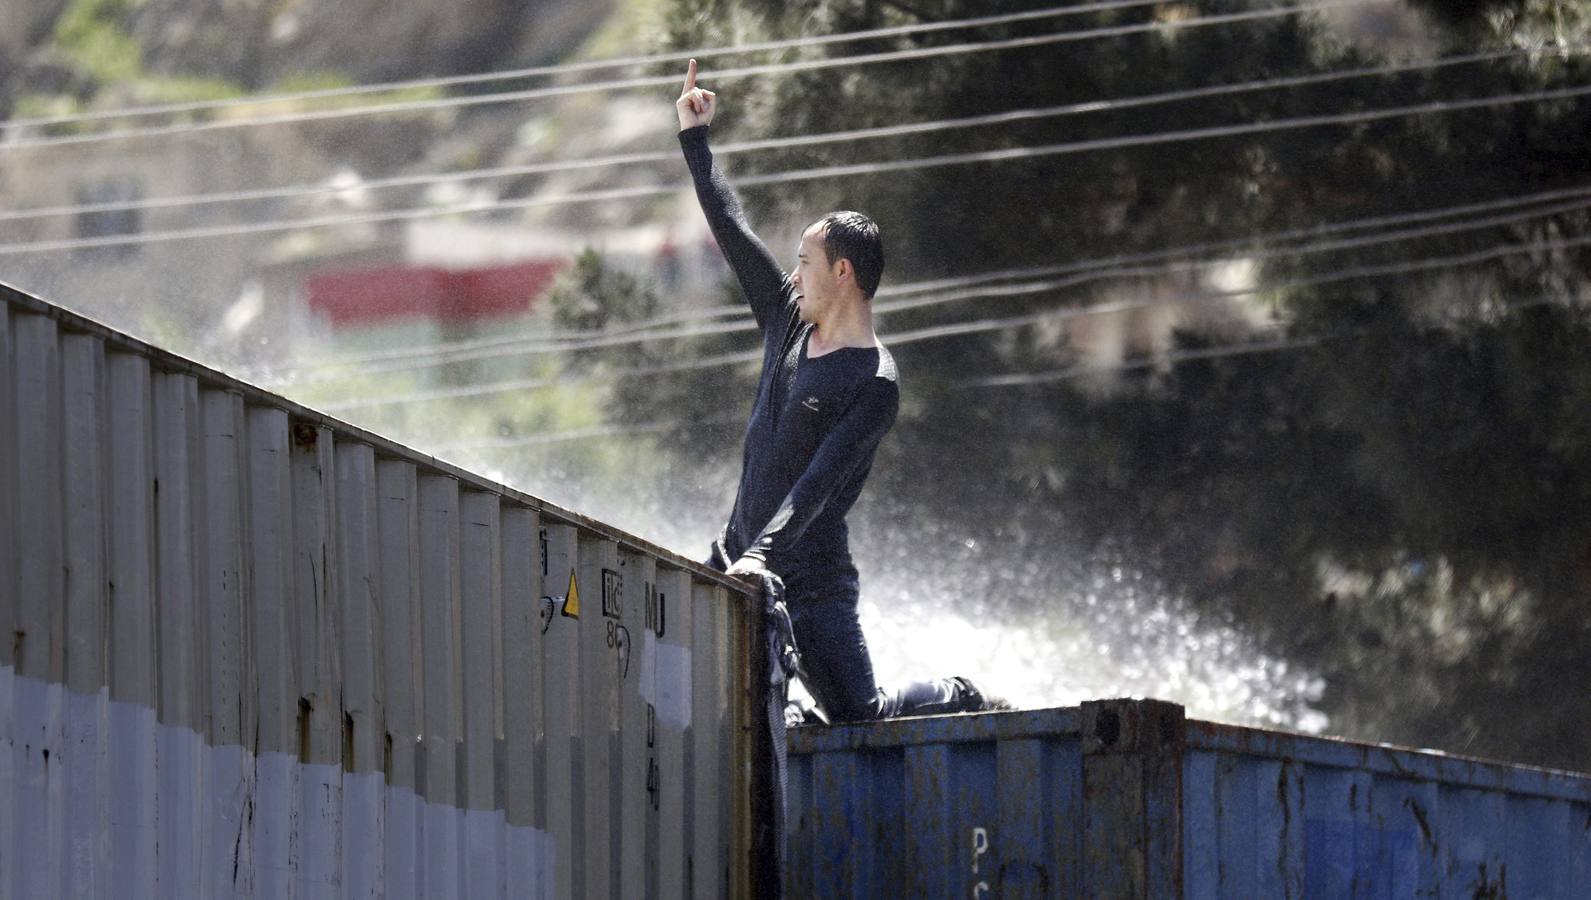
960 727
385 446
1418 763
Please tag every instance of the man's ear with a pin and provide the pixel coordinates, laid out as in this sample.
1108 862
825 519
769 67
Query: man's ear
843 269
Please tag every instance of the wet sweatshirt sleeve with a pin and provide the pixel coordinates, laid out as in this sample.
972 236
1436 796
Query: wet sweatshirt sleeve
766 286
843 456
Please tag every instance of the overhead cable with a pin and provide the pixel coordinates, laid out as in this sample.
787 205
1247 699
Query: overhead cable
573 68
1023 379
461 351
783 143
1008 154
471 101
986 325
1076 274
575 434
1244 348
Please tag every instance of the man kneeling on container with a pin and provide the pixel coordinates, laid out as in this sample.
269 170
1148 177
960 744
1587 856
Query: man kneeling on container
827 396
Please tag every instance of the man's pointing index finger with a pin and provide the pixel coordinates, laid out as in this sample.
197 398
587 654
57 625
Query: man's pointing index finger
690 77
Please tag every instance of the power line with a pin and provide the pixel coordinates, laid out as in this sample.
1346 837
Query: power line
431 105
981 326
837 171
787 142
935 332
1313 231
521 384
1159 359
1066 373
572 68
1077 273
463 351
583 434
1331 246
1021 379
1020 153
577 434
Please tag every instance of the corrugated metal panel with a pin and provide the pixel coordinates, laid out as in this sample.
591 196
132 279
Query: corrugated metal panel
1126 799
253 651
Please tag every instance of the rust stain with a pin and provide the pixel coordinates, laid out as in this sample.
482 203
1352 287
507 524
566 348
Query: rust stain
304 710
1396 762
1107 728
1287 824
1486 889
1420 819
348 742
305 435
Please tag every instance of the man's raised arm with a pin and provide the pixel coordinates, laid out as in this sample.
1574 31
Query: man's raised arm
766 287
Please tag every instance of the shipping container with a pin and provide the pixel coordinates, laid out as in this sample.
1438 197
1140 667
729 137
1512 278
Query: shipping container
1129 799
253 651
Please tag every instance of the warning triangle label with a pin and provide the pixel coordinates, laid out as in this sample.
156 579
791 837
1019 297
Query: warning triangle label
571 602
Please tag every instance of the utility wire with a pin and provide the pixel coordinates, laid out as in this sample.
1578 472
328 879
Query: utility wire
431 105
572 68
981 326
1159 359
577 434
523 384
1076 274
837 171
1022 379
935 332
462 351
1025 379
788 142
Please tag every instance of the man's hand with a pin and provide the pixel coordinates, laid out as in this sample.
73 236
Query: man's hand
695 105
748 566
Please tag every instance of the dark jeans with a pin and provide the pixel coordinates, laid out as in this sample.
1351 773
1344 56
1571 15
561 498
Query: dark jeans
836 668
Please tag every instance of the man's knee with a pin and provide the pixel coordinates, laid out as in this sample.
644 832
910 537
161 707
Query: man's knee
851 709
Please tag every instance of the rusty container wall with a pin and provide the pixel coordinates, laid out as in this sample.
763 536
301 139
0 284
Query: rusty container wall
1269 814
1125 798
250 650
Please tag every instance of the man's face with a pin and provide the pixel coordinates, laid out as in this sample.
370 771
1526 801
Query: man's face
814 277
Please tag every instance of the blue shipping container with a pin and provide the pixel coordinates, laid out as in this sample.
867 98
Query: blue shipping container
1128 798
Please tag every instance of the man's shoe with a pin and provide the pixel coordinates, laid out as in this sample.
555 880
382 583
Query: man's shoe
975 699
798 713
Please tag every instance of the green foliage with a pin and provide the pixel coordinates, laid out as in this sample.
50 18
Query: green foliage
172 89
326 80
594 295
92 34
303 82
39 106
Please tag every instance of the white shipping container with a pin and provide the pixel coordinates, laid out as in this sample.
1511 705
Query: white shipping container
253 651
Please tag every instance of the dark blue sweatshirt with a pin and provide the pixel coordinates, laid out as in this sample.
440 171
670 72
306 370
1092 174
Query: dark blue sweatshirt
816 422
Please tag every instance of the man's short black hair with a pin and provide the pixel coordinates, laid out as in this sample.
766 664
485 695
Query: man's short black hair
853 236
